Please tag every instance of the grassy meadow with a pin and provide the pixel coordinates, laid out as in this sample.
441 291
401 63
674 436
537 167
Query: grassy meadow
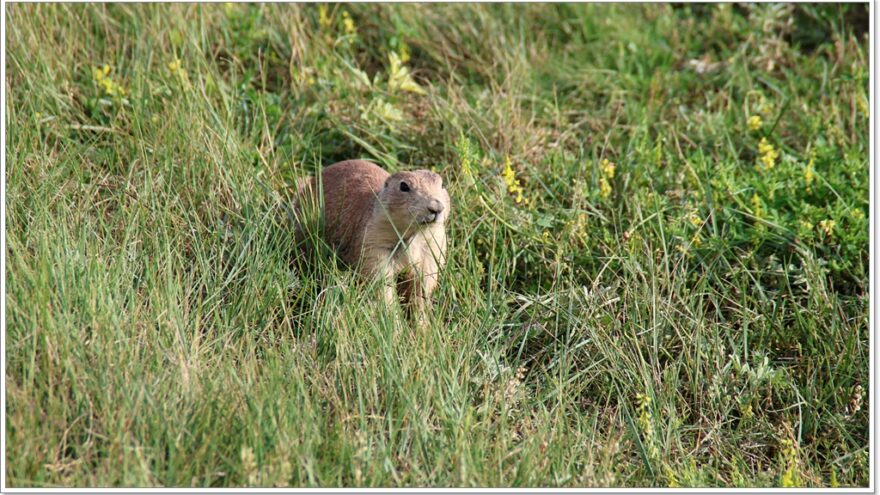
658 261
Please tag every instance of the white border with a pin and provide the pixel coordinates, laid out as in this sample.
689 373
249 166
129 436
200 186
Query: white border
872 273
3 251
872 298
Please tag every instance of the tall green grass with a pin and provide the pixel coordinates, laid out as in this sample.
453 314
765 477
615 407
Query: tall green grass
658 246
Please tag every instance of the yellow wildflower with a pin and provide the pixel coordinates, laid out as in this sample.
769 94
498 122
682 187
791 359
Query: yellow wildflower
767 155
175 68
546 237
809 175
754 123
857 213
105 82
404 52
324 19
399 76
672 479
827 226
646 424
383 110
348 23
608 168
111 88
388 111
508 174
513 184
695 220
99 73
790 476
604 187
757 206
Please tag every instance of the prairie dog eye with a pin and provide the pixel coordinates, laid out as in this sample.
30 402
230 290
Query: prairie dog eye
404 186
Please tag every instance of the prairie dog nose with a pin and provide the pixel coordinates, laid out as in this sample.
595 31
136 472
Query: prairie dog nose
436 207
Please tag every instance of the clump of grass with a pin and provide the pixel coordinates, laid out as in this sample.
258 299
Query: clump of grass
658 261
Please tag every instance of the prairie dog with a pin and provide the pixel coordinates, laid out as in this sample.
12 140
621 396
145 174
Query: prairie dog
385 225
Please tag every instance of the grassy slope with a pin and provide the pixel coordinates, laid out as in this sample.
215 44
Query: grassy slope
690 319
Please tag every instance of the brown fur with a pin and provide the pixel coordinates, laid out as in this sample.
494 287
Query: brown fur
383 231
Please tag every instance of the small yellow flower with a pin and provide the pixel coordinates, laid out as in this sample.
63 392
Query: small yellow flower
175 68
754 123
809 174
646 424
323 18
154 119
388 112
790 456
827 226
108 86
546 237
608 168
604 188
695 220
507 173
382 109
513 184
672 479
98 73
399 76
105 82
404 52
767 155
757 206
348 23
857 213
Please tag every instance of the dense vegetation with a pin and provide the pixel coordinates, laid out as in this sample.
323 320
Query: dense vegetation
659 245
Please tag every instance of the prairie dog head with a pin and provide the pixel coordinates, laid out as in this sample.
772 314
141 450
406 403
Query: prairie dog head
415 199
